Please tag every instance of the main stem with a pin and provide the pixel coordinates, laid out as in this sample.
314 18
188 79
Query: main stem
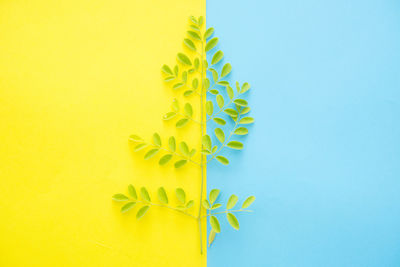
199 218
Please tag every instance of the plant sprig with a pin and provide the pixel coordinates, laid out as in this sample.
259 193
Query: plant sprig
189 77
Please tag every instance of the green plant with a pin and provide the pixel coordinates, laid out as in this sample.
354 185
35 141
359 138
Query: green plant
190 76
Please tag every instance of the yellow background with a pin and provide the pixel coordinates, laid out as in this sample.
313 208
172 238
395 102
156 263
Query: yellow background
76 79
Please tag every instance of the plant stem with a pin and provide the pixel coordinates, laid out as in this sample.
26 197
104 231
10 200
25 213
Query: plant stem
226 211
202 133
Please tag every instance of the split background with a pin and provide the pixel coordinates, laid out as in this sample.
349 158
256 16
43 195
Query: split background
323 159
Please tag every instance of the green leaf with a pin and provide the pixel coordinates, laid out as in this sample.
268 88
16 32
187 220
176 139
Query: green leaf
241 131
177 85
238 87
248 202
193 19
245 88
135 138
232 220
211 237
223 83
151 153
246 120
240 102
219 121
216 206
214 149
192 152
200 20
235 145
165 159
213 195
184 76
220 101
214 91
139 147
189 43
176 70
172 144
175 105
132 191
220 134
222 159
211 44
194 35
190 204
195 83
180 194
169 116
188 110
214 74
162 195
206 204
233 199
120 197
156 139
229 90
196 63
169 78
194 27
231 112
181 123
184 149
208 33
167 70
142 212
127 206
184 59
226 69
180 163
215 224
145 194
206 141
209 107
245 110
188 92
217 57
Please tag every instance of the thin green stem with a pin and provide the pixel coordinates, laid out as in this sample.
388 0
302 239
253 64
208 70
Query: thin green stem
226 211
164 206
202 133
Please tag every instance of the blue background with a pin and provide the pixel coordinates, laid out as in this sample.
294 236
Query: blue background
323 158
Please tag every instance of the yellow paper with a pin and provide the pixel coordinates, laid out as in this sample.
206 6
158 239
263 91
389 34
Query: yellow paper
77 78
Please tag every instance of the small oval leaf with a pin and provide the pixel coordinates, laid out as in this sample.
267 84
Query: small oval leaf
142 212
